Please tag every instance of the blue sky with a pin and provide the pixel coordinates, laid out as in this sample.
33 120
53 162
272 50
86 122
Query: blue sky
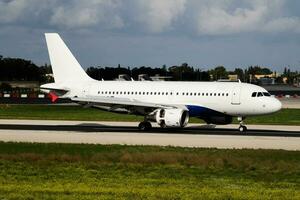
203 33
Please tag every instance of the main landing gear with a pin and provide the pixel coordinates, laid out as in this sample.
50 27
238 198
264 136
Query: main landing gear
145 126
242 127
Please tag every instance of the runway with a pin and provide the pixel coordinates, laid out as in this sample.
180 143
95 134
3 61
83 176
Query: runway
195 135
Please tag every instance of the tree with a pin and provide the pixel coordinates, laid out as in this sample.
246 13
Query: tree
16 69
240 73
259 70
5 87
265 71
183 72
219 73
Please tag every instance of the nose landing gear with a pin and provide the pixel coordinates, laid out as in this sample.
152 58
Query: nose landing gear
242 127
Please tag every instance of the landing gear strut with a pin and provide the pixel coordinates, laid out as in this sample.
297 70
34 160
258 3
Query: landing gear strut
145 126
242 127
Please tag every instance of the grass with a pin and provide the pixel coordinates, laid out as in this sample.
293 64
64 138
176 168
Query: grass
60 112
81 171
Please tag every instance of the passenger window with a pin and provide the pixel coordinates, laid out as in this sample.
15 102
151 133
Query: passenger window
226 94
254 94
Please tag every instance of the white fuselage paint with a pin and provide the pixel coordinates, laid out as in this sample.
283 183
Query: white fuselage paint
231 98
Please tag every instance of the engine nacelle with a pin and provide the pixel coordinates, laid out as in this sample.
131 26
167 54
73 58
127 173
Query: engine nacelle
172 117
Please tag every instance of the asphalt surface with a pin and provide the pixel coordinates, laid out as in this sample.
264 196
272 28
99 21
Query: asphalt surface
195 135
98 128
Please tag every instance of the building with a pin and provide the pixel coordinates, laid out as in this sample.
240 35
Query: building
23 85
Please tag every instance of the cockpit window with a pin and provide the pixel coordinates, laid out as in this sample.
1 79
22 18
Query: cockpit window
267 94
259 94
254 94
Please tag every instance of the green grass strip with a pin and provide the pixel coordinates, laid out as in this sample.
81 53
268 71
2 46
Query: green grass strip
82 171
65 112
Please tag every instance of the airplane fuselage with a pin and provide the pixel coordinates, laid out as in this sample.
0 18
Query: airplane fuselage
168 103
230 98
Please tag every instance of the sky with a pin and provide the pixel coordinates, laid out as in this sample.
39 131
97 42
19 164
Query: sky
203 33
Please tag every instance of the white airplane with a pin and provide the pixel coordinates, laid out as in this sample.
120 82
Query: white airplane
168 103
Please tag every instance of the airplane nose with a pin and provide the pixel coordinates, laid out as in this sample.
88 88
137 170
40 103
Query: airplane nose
276 105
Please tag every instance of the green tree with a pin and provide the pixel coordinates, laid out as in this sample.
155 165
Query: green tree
219 73
240 73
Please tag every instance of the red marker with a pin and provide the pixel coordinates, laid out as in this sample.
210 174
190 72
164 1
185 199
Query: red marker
53 97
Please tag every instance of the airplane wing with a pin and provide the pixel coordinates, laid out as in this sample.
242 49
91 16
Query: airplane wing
116 102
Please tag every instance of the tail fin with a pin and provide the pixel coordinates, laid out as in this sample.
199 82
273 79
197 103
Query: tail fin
65 67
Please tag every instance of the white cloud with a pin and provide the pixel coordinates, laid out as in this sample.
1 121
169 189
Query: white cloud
205 17
223 17
10 11
81 13
216 20
159 15
284 24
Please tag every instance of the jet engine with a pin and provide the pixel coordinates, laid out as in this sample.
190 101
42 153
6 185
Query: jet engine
171 117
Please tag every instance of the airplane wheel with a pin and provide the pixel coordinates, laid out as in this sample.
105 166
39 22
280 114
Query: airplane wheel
242 129
145 126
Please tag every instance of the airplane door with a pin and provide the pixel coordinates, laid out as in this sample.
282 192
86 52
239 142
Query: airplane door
236 96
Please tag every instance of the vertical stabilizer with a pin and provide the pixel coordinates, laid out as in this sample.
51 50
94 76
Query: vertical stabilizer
65 67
